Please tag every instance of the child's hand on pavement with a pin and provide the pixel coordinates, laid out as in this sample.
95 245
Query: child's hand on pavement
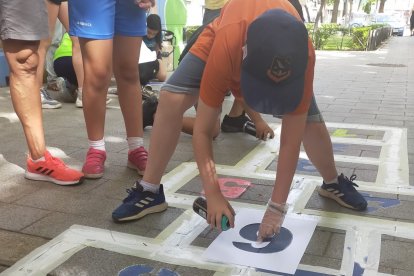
272 221
217 206
263 131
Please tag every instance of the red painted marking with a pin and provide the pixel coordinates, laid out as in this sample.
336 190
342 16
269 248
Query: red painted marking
233 187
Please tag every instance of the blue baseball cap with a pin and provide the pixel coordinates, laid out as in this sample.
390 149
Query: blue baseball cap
274 63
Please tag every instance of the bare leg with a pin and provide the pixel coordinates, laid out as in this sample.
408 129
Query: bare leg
126 55
162 71
77 60
76 52
188 126
52 11
318 147
236 109
97 64
23 60
165 132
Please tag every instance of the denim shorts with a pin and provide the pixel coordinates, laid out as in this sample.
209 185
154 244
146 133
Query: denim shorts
186 79
102 19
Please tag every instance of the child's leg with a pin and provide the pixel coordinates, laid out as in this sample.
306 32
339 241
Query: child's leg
317 144
97 64
318 147
165 132
126 54
178 94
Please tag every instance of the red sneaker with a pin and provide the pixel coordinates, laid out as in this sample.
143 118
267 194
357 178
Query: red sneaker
53 170
137 159
94 165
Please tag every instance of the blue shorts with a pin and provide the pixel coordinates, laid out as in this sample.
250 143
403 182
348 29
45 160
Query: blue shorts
186 79
102 19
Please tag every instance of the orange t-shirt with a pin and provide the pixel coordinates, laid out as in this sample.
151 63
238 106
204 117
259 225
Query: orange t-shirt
220 46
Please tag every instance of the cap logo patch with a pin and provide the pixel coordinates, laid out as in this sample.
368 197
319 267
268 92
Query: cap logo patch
280 69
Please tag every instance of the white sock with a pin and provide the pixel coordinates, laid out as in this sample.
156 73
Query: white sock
333 181
153 188
99 144
135 142
39 160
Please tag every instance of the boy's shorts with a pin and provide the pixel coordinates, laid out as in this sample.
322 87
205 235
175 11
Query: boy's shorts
102 19
23 20
187 78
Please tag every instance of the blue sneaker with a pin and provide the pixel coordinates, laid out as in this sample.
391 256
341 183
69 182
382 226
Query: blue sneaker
139 203
344 193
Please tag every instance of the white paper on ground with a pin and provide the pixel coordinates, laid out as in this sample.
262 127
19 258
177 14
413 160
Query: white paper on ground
286 261
146 55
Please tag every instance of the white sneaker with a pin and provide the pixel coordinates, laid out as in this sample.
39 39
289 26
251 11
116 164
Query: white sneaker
78 102
47 101
79 99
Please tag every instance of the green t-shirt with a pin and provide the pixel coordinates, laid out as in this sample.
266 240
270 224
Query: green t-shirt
65 48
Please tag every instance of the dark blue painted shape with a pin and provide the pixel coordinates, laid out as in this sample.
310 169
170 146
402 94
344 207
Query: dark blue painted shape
358 270
337 148
136 270
276 244
382 202
297 273
305 166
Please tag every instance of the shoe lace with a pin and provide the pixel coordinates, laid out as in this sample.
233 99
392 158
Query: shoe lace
94 157
132 192
57 162
139 155
351 180
45 94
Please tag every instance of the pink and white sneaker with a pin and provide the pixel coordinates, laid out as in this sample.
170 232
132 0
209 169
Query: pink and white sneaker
137 159
94 165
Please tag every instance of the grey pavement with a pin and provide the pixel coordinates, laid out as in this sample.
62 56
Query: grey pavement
365 97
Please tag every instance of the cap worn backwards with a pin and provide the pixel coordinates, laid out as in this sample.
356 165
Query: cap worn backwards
273 70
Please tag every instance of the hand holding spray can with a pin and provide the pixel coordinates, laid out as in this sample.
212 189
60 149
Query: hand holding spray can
200 207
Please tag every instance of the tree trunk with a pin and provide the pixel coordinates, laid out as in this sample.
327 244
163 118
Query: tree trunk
335 12
381 7
345 8
359 5
319 16
307 13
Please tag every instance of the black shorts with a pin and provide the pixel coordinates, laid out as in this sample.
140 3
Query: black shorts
148 71
57 2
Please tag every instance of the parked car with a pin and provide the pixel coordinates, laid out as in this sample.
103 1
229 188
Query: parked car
397 23
355 19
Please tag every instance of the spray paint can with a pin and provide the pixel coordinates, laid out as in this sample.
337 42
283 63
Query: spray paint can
200 207
249 128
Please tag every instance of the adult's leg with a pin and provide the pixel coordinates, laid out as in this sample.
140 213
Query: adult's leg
23 60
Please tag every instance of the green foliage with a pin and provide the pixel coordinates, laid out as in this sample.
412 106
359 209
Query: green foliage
189 30
367 6
322 34
337 37
360 37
